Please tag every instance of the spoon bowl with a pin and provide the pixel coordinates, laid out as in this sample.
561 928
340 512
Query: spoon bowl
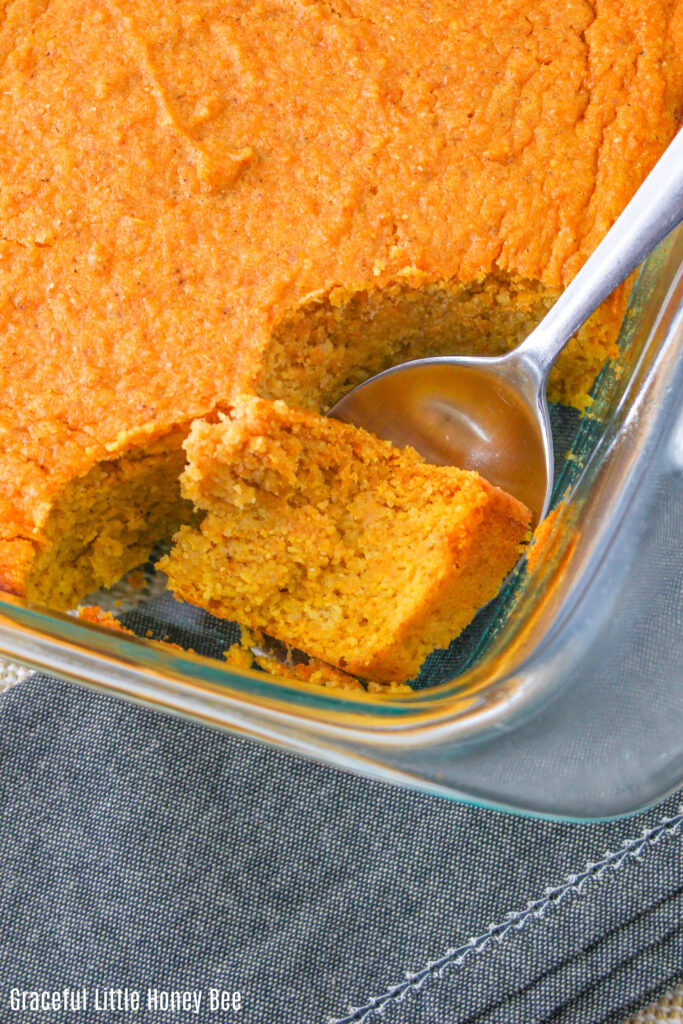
491 414
481 414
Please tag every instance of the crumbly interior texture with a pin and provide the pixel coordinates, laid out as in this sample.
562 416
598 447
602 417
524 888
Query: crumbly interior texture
323 536
214 197
106 522
335 341
99 617
249 652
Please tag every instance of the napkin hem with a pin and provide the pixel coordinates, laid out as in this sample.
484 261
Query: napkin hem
574 884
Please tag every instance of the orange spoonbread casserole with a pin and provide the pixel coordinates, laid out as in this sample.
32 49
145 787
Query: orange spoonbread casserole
327 538
201 199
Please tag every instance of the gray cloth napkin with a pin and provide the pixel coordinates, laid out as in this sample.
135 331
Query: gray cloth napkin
140 852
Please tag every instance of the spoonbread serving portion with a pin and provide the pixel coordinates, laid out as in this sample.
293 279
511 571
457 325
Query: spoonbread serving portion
335 542
201 199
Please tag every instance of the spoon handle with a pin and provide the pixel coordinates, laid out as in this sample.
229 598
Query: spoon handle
656 208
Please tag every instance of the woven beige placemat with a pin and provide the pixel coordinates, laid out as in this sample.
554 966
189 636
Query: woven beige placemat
11 674
669 1010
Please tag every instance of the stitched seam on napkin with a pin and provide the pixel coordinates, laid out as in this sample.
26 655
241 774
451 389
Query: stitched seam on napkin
538 979
574 884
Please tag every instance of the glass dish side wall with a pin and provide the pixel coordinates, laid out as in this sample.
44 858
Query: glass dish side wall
547 640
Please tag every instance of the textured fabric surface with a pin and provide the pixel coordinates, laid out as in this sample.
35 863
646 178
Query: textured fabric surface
138 851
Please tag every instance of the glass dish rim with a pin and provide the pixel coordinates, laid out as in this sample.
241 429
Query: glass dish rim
398 719
398 710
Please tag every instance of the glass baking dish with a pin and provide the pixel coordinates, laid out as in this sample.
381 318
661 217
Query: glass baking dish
563 698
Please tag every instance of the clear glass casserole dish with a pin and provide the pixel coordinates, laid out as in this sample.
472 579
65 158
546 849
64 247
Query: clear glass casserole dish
563 698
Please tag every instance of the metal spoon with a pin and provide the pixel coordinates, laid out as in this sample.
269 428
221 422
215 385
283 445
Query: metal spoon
491 414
